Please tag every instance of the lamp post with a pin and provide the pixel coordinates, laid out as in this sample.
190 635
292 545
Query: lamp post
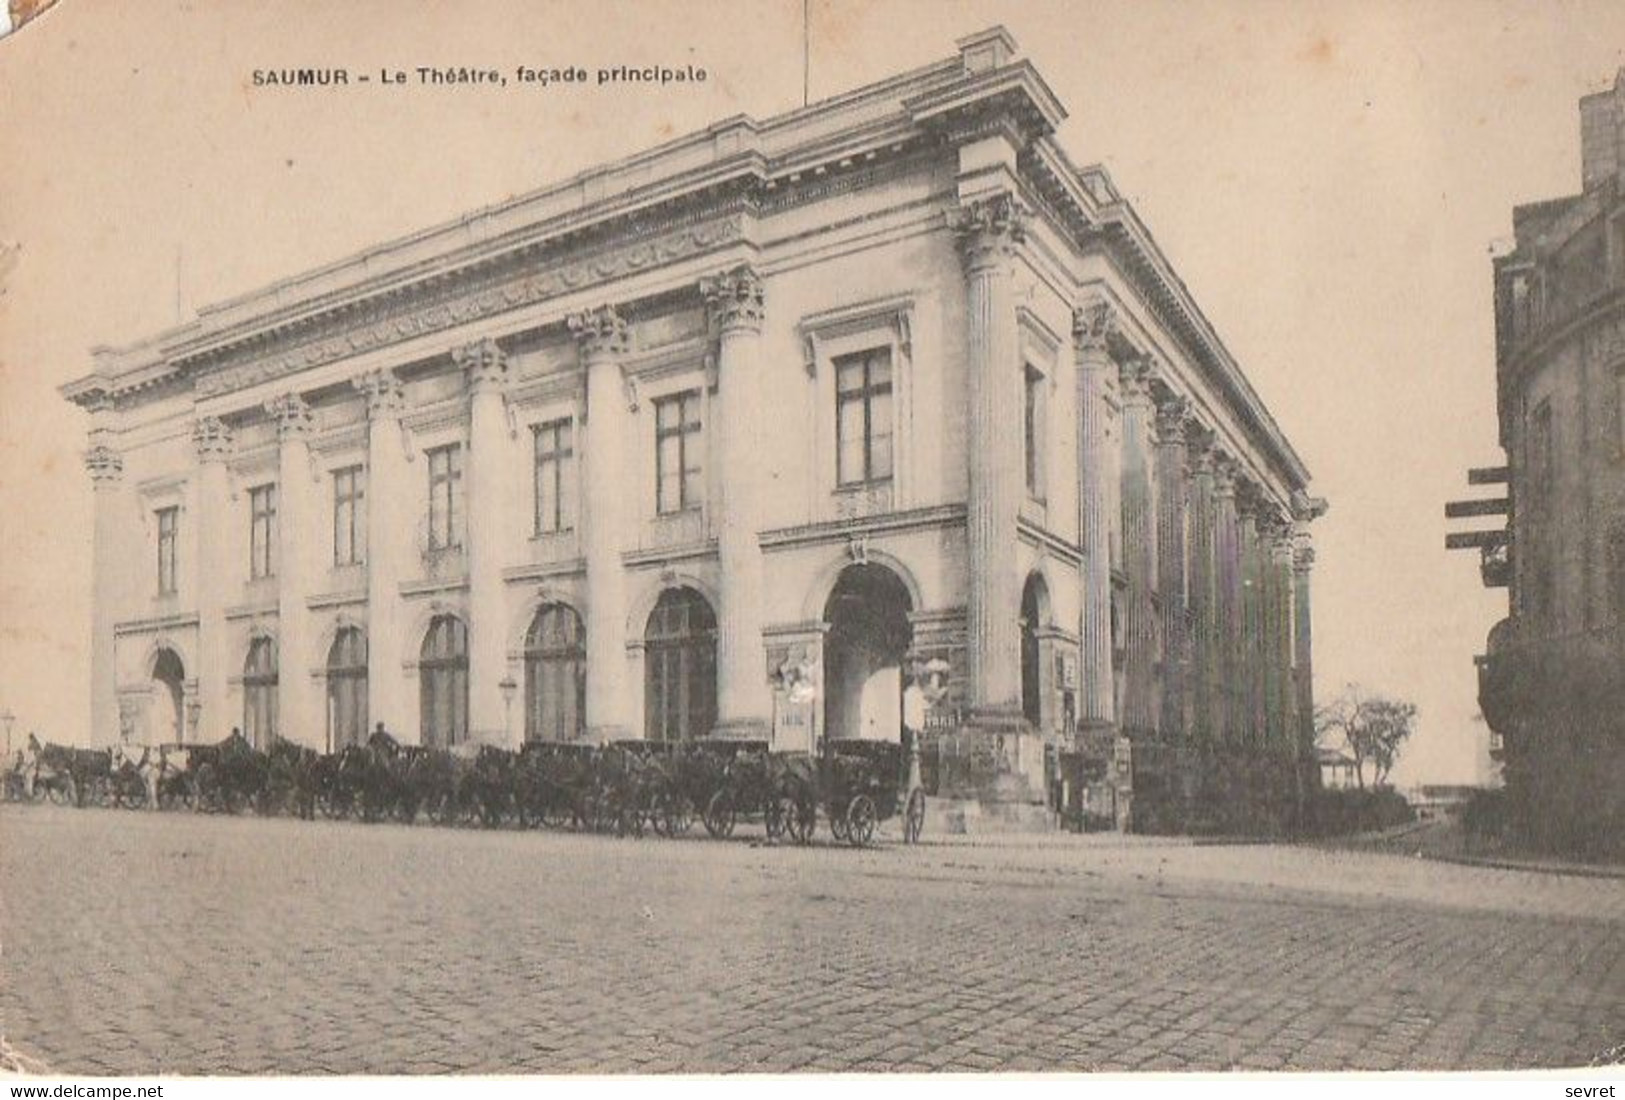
508 688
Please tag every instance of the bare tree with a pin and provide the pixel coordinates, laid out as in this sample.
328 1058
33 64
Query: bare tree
1371 728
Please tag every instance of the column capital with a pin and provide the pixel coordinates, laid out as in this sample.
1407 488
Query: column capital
988 230
734 300
383 391
599 333
1303 556
1094 323
212 438
1306 509
1225 473
1200 447
105 465
484 362
292 415
1173 414
1136 375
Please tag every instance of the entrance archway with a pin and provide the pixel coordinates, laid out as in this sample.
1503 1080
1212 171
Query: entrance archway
169 718
868 638
1034 618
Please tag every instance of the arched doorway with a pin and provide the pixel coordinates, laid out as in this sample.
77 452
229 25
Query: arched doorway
1034 618
443 683
680 667
347 689
259 693
868 639
168 674
555 675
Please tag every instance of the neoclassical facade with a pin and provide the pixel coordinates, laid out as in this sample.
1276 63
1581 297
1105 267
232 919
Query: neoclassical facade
745 436
1550 681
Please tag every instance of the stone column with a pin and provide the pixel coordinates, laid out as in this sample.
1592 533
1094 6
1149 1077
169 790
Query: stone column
485 477
1283 697
106 468
744 699
1227 710
1140 718
1091 327
1252 608
214 572
602 340
299 538
988 232
1303 563
389 546
1203 588
1172 492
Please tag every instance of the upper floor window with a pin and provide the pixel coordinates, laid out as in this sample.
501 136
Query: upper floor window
445 496
1032 430
863 417
349 516
168 527
677 452
555 469
262 531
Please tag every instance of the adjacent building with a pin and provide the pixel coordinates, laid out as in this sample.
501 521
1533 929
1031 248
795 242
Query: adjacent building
751 435
1552 678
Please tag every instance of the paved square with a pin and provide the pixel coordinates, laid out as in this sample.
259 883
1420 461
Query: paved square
138 943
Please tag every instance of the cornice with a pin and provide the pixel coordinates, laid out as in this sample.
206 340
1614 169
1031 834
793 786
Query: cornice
179 620
915 519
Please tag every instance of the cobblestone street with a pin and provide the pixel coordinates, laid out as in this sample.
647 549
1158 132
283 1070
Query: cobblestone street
140 943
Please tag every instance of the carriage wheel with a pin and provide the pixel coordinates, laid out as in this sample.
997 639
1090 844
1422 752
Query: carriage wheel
63 793
860 821
131 795
800 818
914 817
718 817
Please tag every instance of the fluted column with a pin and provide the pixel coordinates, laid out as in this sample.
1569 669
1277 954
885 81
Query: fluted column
1203 589
299 536
106 467
1228 670
1303 563
736 306
486 475
389 525
1252 611
989 232
1091 327
602 340
1172 493
212 565
1140 717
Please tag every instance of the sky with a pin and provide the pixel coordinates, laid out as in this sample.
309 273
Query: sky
1329 180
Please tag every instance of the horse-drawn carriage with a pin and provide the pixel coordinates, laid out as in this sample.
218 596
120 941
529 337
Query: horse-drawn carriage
862 783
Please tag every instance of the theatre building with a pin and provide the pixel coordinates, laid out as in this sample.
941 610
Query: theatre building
1552 677
783 430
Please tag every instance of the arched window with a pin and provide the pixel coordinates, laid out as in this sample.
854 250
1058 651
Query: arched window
259 693
555 675
443 682
347 689
680 667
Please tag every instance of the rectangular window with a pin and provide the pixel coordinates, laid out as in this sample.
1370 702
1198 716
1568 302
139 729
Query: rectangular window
262 532
555 477
677 453
445 497
863 417
1032 431
168 525
1540 454
349 516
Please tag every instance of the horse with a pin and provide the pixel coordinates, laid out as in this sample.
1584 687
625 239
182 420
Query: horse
136 770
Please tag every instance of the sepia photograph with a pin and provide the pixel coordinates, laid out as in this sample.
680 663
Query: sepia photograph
655 538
